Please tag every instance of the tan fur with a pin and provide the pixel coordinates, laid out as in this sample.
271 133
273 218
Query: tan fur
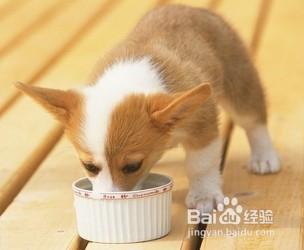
188 46
182 105
141 129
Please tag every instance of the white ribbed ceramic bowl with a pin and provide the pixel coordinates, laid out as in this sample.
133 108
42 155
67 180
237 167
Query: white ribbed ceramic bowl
123 217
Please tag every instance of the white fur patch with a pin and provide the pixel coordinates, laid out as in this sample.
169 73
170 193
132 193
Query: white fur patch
204 177
120 80
103 181
264 158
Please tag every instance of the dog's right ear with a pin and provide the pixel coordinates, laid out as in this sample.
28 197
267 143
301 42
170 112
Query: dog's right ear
172 109
58 102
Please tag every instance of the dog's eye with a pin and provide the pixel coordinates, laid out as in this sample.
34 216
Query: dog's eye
131 168
91 167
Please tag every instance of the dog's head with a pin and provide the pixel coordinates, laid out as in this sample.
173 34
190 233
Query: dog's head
118 144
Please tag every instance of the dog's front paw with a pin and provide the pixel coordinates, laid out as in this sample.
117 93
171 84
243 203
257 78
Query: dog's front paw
204 201
264 162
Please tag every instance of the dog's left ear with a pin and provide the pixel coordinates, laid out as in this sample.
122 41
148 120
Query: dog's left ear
58 102
174 108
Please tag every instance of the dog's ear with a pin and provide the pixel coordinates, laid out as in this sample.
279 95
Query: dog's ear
57 102
172 109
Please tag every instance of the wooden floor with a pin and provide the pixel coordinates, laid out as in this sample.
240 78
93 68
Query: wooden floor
55 43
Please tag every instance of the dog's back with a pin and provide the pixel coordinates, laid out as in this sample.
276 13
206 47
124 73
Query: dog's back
191 46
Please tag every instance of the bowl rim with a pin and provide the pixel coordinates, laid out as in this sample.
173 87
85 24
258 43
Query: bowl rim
118 195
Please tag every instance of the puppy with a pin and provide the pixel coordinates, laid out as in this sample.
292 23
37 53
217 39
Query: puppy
160 87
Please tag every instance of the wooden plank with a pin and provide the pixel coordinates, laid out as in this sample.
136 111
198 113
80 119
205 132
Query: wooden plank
20 25
4 3
39 218
54 207
33 59
8 7
16 152
279 62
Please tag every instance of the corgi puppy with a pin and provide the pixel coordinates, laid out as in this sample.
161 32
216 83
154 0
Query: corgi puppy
158 88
